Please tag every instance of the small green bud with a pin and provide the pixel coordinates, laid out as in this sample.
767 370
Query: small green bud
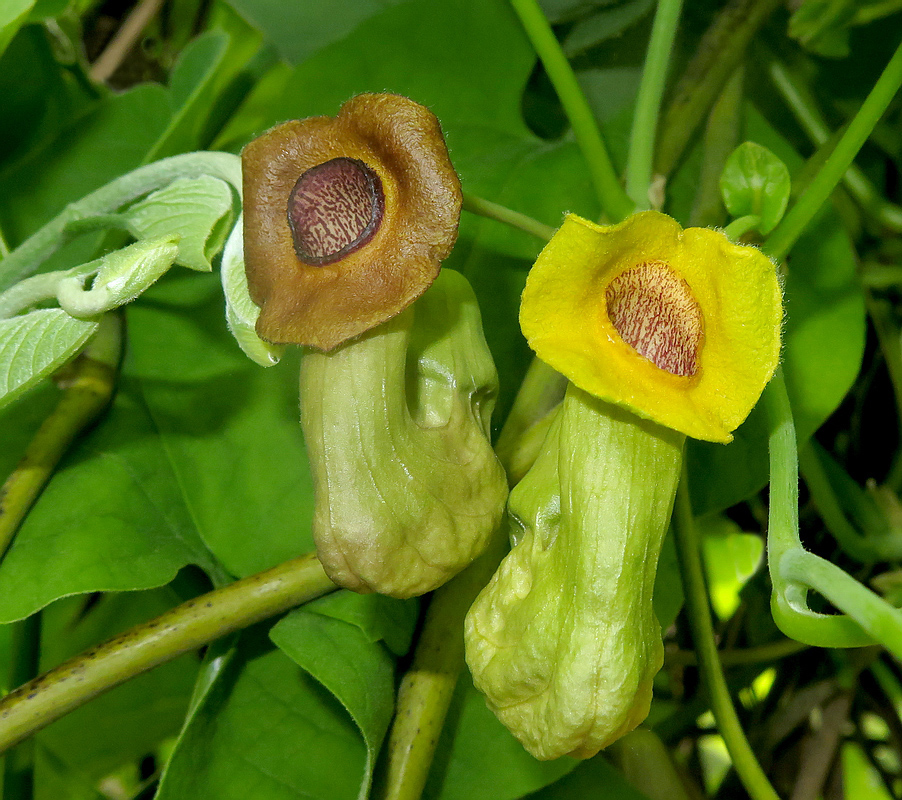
564 641
407 487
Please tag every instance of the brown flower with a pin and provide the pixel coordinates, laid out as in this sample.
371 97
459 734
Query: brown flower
346 219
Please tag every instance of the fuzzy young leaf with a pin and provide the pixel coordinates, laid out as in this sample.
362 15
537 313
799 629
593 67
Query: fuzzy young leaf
195 209
755 182
123 276
34 345
241 311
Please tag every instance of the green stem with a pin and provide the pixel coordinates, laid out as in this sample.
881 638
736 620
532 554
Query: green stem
739 227
888 337
789 604
614 200
648 102
881 621
720 51
88 386
18 764
742 657
874 544
27 258
784 236
499 213
812 122
702 624
194 624
426 689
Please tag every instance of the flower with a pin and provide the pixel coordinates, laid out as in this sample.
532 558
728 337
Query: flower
346 219
680 326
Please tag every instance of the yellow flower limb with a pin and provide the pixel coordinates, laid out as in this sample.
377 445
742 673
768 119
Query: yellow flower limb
566 318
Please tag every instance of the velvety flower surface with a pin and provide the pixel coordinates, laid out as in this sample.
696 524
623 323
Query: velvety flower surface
680 326
346 219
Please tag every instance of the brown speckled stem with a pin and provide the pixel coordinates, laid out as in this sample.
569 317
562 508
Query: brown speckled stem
198 622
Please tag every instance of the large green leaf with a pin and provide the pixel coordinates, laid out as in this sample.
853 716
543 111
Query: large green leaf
33 345
348 660
111 140
266 729
229 428
298 30
111 519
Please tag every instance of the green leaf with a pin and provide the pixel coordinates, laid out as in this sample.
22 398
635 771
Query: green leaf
298 30
12 14
112 519
36 344
112 139
731 558
595 778
860 779
346 660
821 26
231 431
266 729
192 209
755 182
604 25
196 81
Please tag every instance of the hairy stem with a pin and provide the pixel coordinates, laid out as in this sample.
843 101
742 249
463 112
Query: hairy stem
499 213
614 200
27 258
198 622
720 51
784 236
88 385
728 724
648 102
811 120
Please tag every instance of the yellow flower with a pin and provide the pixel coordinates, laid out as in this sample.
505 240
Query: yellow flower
680 326
346 219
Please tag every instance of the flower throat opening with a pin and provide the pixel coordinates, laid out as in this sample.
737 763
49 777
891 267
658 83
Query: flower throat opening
654 312
334 209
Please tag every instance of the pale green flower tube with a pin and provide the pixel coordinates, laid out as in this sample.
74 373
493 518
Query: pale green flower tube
563 641
407 487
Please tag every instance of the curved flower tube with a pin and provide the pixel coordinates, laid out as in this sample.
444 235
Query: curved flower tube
675 333
408 489
347 219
